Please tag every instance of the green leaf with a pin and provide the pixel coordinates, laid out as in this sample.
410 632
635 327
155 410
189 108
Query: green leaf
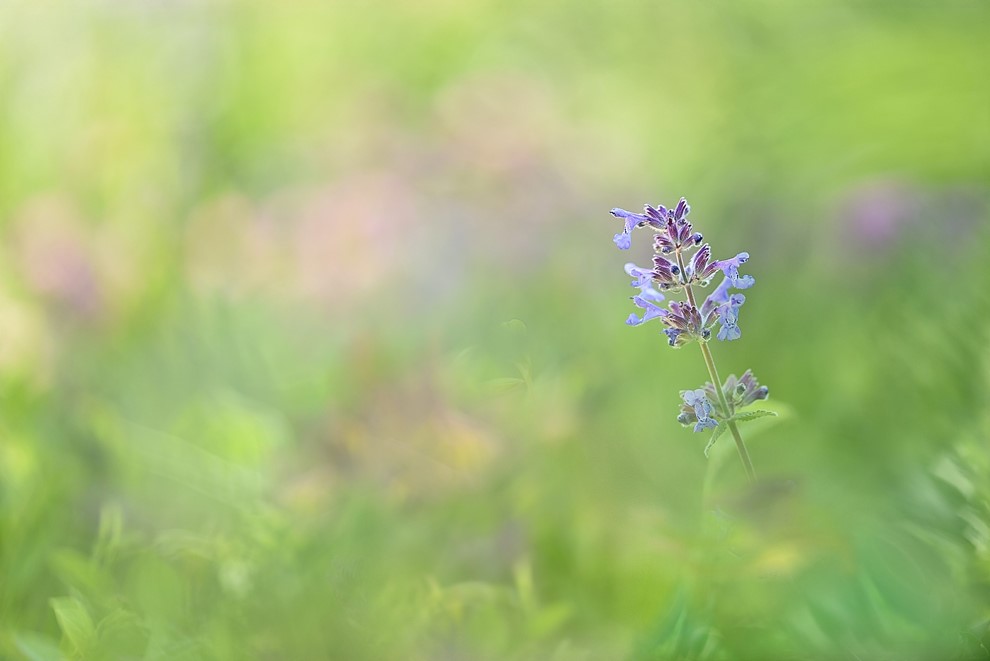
75 622
718 432
81 574
506 384
746 416
36 647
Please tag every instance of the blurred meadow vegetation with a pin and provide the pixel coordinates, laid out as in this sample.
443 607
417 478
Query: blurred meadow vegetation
312 341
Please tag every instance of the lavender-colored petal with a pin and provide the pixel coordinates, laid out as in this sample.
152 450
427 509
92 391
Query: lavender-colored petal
718 297
744 282
632 220
659 212
690 396
643 277
651 294
682 209
728 316
628 216
702 269
729 332
643 280
730 267
697 402
655 217
651 311
702 425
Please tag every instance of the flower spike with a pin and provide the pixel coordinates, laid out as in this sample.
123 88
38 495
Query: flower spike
675 268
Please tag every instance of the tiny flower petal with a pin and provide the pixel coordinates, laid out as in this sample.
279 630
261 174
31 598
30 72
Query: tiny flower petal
656 218
643 280
729 331
644 277
697 402
717 298
651 294
702 425
632 221
730 267
728 316
652 311
702 269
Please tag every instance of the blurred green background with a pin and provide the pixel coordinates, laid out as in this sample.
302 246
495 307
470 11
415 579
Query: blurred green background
312 341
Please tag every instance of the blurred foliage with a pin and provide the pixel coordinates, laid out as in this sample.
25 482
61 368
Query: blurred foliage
311 340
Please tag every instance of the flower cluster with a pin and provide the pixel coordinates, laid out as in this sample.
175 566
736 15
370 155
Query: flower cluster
703 407
675 268
682 263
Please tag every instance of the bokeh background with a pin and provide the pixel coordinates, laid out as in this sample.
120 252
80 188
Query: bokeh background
312 341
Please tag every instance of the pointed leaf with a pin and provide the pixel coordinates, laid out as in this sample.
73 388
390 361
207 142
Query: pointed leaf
746 416
75 622
506 384
715 434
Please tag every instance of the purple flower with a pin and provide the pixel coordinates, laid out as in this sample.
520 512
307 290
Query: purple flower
730 267
652 311
643 278
685 323
728 316
647 298
701 268
739 392
658 215
632 221
717 298
745 390
674 232
681 262
674 337
697 409
726 308
666 273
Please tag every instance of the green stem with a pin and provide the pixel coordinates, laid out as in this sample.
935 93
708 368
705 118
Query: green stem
713 373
